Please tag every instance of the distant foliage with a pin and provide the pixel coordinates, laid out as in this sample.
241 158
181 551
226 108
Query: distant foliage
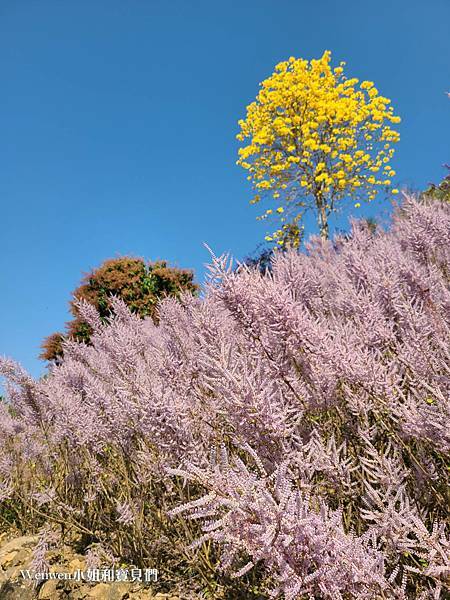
140 285
442 190
288 432
261 259
314 138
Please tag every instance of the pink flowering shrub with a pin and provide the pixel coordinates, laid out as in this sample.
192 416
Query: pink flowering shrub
287 434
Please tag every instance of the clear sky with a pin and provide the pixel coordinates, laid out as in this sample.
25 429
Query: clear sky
118 121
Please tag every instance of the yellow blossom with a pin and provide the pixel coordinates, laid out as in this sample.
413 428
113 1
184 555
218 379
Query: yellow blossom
314 134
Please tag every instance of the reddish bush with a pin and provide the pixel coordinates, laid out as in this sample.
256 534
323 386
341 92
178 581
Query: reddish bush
139 284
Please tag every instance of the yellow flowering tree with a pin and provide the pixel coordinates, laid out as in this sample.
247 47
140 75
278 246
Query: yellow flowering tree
314 137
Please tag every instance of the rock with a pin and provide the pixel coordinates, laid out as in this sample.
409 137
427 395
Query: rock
48 590
19 543
9 591
16 554
79 593
13 573
77 563
21 557
3 536
142 594
98 591
110 591
6 559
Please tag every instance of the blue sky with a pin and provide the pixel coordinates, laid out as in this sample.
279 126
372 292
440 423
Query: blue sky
118 123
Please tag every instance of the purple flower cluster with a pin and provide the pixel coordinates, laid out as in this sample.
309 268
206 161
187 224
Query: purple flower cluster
300 418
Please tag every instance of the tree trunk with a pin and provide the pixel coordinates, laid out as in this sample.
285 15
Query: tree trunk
323 221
